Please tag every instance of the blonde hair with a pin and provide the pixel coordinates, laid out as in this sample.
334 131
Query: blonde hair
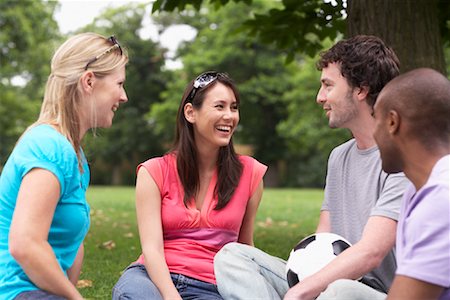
63 89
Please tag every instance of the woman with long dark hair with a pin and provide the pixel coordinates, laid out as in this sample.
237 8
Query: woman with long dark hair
193 200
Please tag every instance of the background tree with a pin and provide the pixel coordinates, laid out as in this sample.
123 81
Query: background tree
258 70
280 119
416 29
309 139
412 28
115 152
306 27
27 38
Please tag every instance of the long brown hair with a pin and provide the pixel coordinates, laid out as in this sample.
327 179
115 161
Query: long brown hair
229 167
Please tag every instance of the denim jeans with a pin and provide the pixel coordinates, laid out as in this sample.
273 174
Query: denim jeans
136 284
37 295
245 272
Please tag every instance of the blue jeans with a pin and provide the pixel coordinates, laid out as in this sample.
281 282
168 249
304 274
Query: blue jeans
37 295
136 284
245 272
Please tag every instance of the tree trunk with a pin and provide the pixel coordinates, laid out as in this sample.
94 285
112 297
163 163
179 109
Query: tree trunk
410 27
116 174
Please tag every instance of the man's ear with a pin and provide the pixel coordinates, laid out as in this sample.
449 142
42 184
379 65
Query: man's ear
362 92
393 120
189 112
87 81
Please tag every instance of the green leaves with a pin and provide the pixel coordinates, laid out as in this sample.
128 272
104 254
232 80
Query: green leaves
27 37
279 116
171 5
294 27
132 138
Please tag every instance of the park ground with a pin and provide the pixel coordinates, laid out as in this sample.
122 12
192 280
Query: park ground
285 216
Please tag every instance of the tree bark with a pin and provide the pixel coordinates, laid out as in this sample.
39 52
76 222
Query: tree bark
410 27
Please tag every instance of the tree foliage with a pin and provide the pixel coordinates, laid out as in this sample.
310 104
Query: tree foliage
279 116
116 151
292 26
251 65
267 88
27 38
296 28
300 26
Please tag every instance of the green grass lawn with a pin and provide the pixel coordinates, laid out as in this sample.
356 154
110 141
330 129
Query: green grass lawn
284 217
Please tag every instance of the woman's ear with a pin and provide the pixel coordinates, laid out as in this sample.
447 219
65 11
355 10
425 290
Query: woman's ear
87 81
189 112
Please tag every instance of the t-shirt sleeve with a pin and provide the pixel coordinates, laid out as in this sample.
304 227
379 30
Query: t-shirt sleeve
153 167
389 201
38 151
258 172
426 238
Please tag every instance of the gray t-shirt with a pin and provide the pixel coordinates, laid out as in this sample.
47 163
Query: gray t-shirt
356 189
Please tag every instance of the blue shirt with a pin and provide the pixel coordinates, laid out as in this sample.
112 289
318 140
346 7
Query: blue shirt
44 147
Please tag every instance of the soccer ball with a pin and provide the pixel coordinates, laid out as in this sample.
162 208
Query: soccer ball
312 254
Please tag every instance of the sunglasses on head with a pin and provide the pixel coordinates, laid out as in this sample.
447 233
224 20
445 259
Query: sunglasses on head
115 45
200 82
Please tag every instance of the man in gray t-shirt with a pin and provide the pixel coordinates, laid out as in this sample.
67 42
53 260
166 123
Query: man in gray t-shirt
361 201
356 190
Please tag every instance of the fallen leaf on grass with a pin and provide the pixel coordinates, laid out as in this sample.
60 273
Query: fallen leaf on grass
108 245
267 223
128 235
84 283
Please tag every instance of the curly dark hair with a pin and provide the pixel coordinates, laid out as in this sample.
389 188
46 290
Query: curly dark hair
365 61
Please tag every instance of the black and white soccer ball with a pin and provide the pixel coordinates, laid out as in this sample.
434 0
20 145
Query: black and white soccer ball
313 253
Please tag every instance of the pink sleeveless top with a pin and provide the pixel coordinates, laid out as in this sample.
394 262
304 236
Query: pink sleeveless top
192 237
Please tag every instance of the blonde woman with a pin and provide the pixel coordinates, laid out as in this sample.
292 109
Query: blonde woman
44 215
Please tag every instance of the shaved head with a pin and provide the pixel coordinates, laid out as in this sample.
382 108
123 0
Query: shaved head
422 98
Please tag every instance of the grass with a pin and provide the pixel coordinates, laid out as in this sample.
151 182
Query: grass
284 217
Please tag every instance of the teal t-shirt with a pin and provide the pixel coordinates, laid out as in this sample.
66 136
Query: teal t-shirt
44 147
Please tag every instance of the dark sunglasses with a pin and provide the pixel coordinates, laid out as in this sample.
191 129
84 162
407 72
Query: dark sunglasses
115 45
200 82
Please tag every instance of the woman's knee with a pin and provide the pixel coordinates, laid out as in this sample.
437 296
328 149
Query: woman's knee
135 284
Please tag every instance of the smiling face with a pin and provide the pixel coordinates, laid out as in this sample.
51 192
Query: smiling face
108 94
216 120
336 97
